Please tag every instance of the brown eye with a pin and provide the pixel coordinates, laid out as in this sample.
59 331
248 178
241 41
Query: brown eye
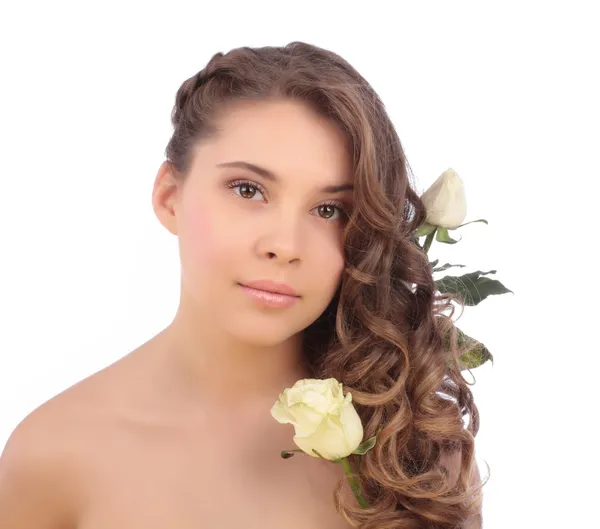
327 211
332 211
247 191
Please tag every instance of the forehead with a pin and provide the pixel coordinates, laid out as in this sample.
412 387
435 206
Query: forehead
286 136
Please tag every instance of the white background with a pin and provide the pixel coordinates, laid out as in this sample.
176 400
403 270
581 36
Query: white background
505 93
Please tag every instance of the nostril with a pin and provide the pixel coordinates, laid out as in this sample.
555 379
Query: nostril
271 255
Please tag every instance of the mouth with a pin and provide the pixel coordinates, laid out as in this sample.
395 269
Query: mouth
270 294
272 287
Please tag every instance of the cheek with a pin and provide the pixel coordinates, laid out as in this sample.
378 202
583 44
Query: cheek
204 242
212 240
329 264
338 269
336 257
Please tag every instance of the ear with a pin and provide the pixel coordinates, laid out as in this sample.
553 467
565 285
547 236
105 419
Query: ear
166 194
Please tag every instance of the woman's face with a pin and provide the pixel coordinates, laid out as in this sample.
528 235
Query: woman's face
264 202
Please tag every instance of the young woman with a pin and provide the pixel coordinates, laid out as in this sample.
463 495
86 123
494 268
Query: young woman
288 190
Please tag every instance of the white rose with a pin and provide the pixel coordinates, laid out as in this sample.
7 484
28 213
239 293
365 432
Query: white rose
445 201
322 417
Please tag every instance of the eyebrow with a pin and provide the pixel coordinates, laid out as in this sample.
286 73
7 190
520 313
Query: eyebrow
270 175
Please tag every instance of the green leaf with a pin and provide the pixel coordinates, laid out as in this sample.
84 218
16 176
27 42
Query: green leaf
366 446
433 263
472 287
424 229
476 354
446 266
471 222
476 357
286 454
442 235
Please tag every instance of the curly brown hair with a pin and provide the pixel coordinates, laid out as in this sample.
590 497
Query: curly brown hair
386 333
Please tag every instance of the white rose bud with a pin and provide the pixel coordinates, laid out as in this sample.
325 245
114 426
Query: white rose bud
445 201
323 419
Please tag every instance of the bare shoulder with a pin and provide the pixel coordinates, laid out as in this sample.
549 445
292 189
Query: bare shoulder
42 466
37 470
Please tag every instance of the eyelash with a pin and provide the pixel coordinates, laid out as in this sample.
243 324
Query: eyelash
237 183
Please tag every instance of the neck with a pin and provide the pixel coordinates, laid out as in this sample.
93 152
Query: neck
216 366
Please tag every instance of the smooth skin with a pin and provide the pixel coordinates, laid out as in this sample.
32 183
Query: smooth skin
178 433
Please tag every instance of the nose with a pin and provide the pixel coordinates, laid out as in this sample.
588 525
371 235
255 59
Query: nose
280 240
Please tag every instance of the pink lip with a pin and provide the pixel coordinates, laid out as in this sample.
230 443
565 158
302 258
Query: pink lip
270 294
272 286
